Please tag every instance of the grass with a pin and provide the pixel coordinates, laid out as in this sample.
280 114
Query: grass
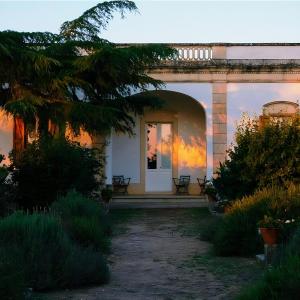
194 222
225 268
200 223
120 218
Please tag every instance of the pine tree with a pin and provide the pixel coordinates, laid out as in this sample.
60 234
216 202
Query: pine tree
76 77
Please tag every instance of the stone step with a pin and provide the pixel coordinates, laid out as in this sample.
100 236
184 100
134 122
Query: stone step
158 201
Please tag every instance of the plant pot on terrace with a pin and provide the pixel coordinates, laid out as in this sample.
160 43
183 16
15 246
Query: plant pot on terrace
269 235
269 230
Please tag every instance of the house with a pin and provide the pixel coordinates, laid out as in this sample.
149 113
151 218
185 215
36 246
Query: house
207 88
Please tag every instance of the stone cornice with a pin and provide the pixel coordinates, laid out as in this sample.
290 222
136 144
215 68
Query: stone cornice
218 66
209 44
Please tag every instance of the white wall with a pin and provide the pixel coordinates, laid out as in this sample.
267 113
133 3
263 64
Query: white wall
202 92
263 52
192 146
126 154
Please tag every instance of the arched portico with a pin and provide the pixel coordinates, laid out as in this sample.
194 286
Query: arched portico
168 142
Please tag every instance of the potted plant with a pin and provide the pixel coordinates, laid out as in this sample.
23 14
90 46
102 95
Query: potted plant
269 230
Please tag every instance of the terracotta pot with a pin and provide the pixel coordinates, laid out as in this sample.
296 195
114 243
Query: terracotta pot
269 235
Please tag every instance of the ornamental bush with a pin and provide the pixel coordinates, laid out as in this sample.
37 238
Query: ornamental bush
237 233
262 156
45 256
50 167
7 190
84 219
12 277
282 281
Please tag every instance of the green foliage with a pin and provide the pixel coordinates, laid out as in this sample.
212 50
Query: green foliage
84 220
237 234
209 229
12 277
262 156
106 194
283 280
45 255
293 246
48 168
3 170
3 175
6 189
76 76
279 283
91 22
269 222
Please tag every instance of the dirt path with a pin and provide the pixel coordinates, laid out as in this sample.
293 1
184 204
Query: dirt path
154 259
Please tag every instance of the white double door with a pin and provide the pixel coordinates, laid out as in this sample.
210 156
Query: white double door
159 157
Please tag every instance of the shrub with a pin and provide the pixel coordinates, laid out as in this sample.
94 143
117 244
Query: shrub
262 156
6 189
51 167
209 229
237 233
48 258
283 280
12 277
83 266
280 283
84 219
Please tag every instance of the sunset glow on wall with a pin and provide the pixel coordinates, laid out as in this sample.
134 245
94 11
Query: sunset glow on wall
6 134
191 154
84 139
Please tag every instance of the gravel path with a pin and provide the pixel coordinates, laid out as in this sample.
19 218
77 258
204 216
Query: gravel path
149 261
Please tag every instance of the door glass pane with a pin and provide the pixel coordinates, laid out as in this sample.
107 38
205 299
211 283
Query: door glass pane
166 146
151 146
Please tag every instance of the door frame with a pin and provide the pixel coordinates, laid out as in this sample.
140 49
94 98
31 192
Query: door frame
159 171
158 117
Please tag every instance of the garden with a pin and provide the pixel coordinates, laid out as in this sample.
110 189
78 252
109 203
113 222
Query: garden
54 231
258 192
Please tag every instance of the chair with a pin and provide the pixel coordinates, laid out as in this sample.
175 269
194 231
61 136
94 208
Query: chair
182 184
120 184
202 183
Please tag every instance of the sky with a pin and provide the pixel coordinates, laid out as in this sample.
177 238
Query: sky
168 21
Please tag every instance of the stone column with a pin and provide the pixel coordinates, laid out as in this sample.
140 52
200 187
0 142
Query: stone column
219 120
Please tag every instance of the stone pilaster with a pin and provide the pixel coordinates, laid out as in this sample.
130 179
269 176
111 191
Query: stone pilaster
219 121
219 52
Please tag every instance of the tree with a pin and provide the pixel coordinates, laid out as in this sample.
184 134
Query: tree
76 76
262 156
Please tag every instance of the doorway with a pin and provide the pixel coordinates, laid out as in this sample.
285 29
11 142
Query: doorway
159 141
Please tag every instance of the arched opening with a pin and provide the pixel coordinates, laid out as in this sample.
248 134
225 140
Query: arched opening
168 142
